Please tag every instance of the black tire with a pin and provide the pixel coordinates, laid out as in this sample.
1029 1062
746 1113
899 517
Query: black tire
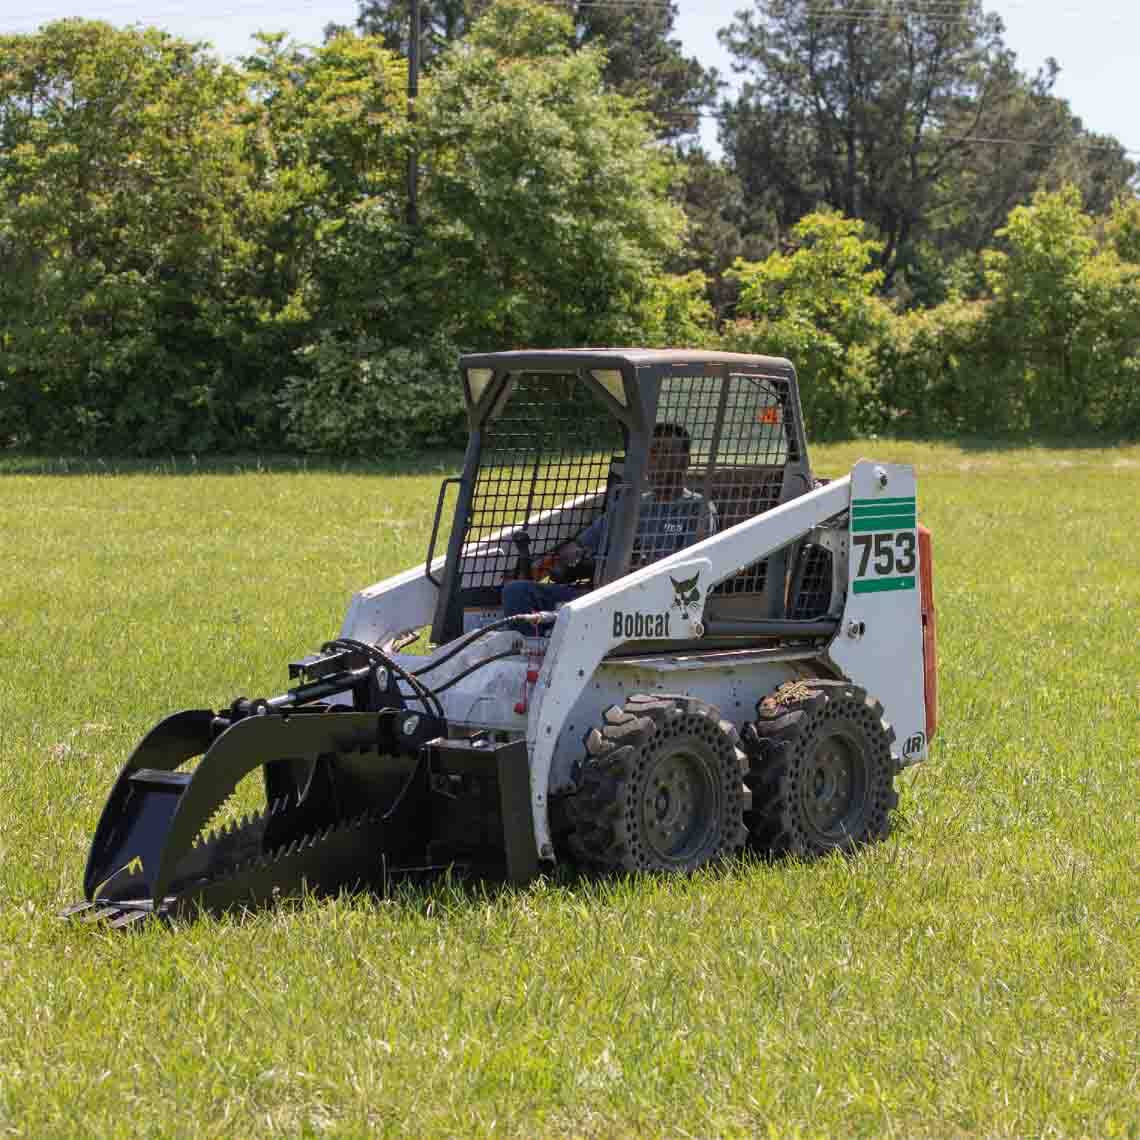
822 775
661 788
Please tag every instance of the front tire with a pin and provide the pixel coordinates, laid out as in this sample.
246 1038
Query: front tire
822 774
660 789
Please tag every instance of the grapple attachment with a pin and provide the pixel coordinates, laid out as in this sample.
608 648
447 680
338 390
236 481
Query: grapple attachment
352 798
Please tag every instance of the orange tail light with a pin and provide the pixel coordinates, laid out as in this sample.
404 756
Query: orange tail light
929 630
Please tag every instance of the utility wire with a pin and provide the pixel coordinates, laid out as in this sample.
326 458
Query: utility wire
985 139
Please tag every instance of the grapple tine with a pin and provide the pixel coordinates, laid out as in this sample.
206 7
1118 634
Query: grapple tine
245 746
101 912
129 918
76 909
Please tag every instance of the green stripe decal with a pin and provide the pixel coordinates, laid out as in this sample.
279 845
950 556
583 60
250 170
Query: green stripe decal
860 509
880 585
884 502
883 522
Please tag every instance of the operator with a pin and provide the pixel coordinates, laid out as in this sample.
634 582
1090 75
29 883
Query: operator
671 518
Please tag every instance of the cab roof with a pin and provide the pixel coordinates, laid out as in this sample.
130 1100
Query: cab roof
541 359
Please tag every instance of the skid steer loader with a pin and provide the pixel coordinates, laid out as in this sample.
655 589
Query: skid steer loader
723 654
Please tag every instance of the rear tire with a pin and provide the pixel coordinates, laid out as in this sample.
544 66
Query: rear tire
660 789
822 774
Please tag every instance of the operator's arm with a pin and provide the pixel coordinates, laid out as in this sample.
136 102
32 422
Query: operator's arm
708 523
573 552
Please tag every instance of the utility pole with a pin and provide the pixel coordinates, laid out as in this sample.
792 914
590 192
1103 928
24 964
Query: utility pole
413 92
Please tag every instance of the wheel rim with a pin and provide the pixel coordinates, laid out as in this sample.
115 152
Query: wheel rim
679 806
835 785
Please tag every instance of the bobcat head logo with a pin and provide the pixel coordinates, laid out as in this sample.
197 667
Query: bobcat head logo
686 592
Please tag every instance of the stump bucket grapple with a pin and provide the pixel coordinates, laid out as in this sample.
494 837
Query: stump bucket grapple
656 639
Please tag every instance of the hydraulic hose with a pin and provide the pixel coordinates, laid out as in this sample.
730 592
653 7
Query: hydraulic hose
536 619
478 665
378 657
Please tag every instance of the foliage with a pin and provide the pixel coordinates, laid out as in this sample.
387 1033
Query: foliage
180 235
646 62
677 312
713 200
643 60
1073 309
361 397
1123 228
442 23
118 156
183 234
816 305
936 375
176 228
546 216
890 114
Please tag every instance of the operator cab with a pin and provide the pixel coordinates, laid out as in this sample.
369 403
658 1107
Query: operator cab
620 447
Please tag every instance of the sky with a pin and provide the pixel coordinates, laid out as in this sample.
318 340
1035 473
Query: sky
1096 42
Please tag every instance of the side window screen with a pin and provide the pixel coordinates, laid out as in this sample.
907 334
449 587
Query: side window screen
741 441
548 451
754 429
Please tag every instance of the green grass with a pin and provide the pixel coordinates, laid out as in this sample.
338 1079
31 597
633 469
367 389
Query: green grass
976 975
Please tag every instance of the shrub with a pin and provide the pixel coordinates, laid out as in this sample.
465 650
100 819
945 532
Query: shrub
938 378
816 305
365 398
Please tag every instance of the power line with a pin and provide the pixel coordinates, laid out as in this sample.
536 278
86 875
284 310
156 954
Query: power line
989 140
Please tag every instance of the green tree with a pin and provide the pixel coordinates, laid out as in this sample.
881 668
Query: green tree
815 303
1066 318
889 113
323 208
644 60
119 154
175 229
442 23
546 208
1123 228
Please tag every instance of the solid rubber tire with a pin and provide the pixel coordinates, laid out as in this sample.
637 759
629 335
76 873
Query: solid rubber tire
794 728
612 824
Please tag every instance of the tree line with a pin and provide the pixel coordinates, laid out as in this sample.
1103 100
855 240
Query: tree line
199 255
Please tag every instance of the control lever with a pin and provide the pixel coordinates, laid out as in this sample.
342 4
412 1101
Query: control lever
523 566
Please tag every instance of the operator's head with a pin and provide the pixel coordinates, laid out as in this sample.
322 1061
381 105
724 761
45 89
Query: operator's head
668 457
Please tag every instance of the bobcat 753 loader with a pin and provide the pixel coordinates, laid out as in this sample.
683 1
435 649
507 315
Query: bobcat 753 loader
736 654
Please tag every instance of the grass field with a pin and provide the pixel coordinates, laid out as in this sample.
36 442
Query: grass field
976 975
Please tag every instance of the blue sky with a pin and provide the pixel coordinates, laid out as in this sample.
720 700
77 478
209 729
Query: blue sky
1097 42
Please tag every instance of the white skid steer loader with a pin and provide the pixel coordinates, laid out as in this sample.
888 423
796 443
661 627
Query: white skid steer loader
659 640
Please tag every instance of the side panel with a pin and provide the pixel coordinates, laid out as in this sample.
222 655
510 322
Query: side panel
406 601
879 644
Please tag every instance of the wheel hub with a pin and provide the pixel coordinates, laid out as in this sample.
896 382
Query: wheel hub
833 783
677 805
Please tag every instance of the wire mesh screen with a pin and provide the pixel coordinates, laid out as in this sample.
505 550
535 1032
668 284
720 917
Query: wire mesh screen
810 594
546 459
739 438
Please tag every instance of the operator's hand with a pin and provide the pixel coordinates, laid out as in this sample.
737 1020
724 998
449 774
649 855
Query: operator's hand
569 554
561 557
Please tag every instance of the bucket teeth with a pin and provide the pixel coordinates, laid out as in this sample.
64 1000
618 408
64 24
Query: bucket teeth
245 880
